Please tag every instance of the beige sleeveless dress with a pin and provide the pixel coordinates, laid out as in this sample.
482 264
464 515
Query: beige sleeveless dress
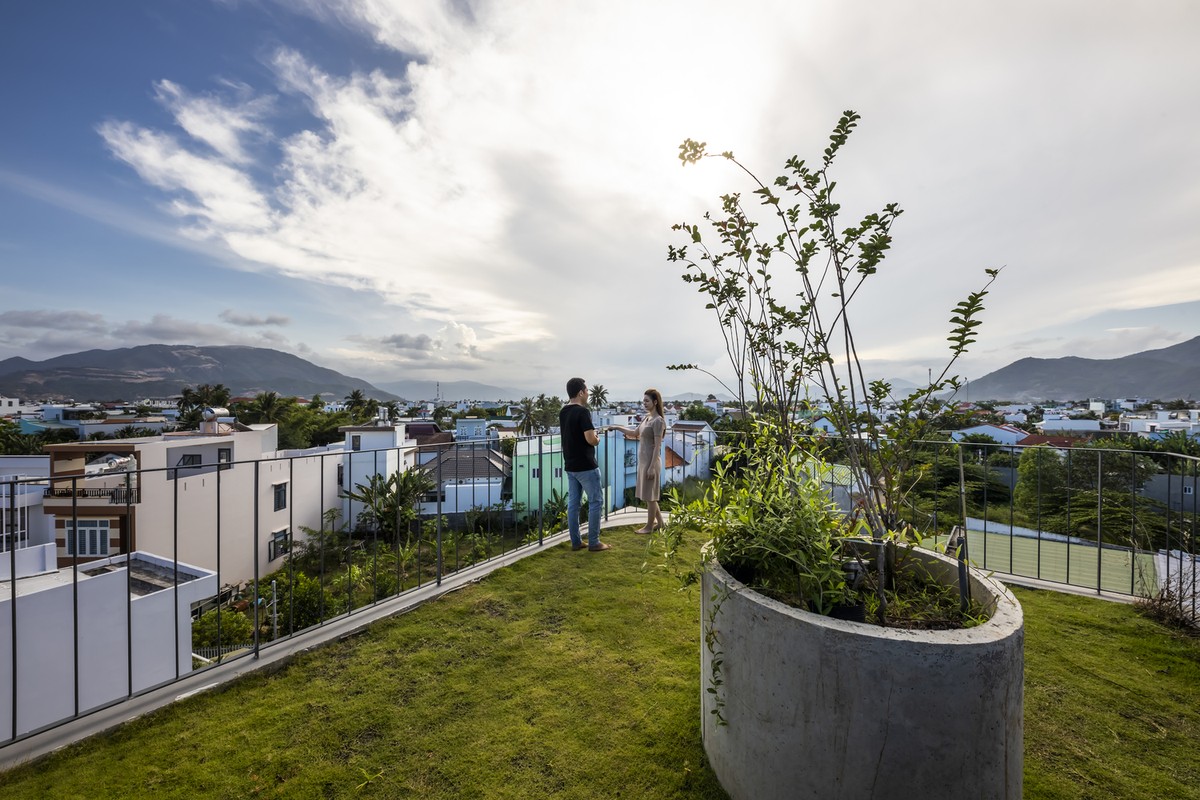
649 468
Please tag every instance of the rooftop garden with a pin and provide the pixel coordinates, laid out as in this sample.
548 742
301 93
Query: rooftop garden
576 675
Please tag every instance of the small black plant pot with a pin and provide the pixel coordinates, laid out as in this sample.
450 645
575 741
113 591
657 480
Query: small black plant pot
851 612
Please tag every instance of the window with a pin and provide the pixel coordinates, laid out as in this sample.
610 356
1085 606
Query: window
224 457
87 537
280 543
341 474
15 526
279 490
536 472
558 472
1188 489
187 460
355 442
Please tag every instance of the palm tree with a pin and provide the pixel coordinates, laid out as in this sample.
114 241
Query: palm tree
268 407
527 410
391 502
356 402
599 396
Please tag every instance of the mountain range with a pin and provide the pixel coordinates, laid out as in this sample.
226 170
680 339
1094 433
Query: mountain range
1166 374
159 370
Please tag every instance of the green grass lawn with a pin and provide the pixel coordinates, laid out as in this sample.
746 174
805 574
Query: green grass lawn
1061 562
573 674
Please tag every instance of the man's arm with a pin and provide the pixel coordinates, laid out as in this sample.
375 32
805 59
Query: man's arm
591 437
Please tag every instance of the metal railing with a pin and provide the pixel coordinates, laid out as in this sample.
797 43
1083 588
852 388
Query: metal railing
183 568
212 564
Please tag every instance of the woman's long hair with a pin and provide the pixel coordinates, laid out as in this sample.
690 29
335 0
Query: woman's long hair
656 396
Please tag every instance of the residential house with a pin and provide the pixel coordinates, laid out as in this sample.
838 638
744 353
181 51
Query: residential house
430 439
132 632
22 484
221 498
1003 434
692 442
1157 424
537 469
1055 423
371 450
467 477
470 429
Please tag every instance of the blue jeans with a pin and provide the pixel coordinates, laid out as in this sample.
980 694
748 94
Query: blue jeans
578 483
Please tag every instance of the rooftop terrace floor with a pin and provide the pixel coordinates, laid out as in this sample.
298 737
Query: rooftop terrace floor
576 675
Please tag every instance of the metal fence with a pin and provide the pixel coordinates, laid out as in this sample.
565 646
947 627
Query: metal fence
122 582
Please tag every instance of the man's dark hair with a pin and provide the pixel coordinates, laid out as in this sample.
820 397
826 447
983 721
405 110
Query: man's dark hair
575 386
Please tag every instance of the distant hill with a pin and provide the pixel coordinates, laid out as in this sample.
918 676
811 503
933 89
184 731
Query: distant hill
160 370
450 390
1166 374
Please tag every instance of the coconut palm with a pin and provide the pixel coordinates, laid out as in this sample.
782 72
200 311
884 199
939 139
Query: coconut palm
598 396
527 411
267 407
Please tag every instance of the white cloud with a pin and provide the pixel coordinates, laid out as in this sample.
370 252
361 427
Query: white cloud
253 320
511 190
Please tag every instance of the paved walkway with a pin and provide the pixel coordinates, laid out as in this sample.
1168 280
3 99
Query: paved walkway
275 655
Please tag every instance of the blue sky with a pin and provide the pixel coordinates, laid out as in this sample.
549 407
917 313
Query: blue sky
484 190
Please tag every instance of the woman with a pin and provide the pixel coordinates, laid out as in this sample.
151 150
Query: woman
649 468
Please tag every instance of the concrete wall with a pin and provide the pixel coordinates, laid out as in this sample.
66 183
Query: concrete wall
101 613
821 708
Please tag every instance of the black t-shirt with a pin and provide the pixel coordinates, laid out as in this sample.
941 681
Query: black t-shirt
578 455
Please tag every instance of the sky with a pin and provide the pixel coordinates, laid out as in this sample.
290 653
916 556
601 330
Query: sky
484 191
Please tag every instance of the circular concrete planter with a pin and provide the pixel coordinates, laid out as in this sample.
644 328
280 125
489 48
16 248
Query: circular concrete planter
820 708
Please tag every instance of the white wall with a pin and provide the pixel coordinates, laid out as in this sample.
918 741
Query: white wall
47 650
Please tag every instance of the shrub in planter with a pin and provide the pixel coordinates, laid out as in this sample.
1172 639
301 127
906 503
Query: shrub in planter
779 540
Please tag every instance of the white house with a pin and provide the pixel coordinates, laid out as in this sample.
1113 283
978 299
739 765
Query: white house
467 477
372 450
125 621
1057 424
693 441
221 498
22 484
1004 434
1159 423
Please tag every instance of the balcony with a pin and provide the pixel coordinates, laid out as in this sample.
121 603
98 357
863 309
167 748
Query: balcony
118 495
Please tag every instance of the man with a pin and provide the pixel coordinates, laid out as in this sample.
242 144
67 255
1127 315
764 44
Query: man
579 440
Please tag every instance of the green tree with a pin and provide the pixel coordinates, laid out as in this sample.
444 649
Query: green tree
266 408
598 396
236 628
546 412
698 412
391 502
192 402
1041 482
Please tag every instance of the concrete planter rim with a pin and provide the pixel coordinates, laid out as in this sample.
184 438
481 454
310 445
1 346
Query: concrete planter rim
1006 613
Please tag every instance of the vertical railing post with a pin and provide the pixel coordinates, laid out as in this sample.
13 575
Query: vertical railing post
127 546
75 588
438 525
541 500
175 568
254 528
12 594
1099 516
220 646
